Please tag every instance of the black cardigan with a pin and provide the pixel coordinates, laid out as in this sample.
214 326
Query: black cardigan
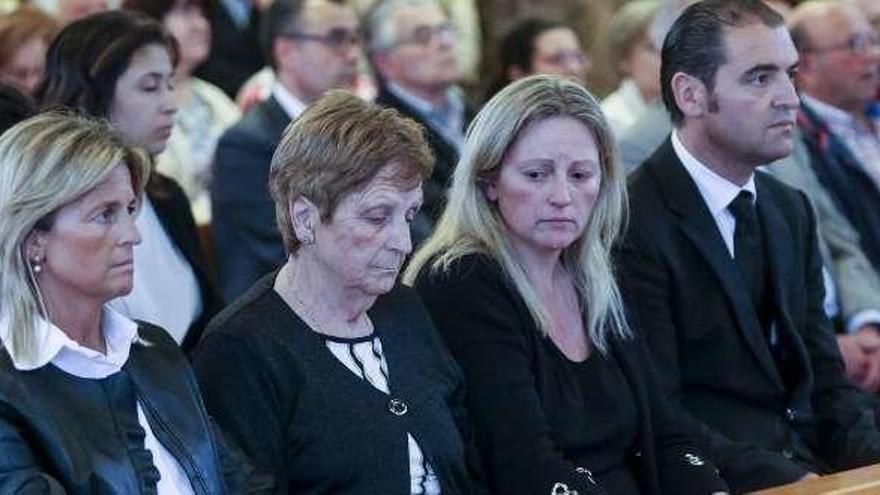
523 397
273 385
64 434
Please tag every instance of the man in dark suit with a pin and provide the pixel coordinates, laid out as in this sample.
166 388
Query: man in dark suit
315 47
411 44
720 266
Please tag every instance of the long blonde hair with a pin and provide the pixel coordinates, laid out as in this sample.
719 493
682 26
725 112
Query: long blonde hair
472 224
46 162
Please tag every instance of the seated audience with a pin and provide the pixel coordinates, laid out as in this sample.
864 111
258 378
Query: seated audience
720 263
314 46
90 401
838 79
24 36
852 286
540 46
15 106
518 279
637 60
203 110
118 65
411 45
348 388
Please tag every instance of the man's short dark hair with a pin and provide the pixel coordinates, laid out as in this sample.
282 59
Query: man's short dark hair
282 17
695 44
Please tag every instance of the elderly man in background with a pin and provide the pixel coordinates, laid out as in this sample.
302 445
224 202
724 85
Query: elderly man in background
411 45
313 46
838 79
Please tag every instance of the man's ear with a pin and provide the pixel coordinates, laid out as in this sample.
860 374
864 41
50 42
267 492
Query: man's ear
282 48
691 95
383 64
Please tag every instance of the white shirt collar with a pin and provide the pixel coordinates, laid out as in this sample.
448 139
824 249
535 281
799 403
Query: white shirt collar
57 348
717 191
291 105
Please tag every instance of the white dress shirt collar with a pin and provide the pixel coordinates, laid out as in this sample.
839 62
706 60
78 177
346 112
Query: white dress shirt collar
291 105
57 348
716 191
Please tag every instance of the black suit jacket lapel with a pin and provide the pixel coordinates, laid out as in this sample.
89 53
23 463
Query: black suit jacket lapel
683 197
779 248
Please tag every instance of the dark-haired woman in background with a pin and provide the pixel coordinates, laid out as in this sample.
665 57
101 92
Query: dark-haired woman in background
119 65
204 111
536 45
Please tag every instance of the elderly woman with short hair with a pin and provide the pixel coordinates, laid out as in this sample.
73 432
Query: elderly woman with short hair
90 401
328 373
518 279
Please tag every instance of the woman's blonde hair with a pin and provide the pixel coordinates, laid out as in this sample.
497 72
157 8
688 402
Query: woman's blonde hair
46 162
473 224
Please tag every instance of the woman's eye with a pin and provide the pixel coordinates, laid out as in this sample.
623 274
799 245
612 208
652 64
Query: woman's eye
107 215
535 174
377 220
581 175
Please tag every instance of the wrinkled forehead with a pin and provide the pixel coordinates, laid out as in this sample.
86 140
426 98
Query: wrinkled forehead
836 25
320 15
408 18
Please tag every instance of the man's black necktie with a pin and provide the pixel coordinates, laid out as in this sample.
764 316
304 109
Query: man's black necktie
748 250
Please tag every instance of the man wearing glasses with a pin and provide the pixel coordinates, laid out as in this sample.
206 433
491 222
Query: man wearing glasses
411 45
838 79
313 46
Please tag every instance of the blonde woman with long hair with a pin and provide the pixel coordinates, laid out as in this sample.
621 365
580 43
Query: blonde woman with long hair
519 280
90 401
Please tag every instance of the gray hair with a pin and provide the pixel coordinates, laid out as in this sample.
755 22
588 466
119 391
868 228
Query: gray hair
46 162
472 224
378 28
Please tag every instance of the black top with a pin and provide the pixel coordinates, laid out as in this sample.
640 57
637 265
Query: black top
61 433
531 407
609 433
275 387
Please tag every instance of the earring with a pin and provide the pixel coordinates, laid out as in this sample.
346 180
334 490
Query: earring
308 238
37 264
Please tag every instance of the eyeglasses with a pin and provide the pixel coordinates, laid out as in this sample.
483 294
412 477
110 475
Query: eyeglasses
857 43
423 35
337 39
563 56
